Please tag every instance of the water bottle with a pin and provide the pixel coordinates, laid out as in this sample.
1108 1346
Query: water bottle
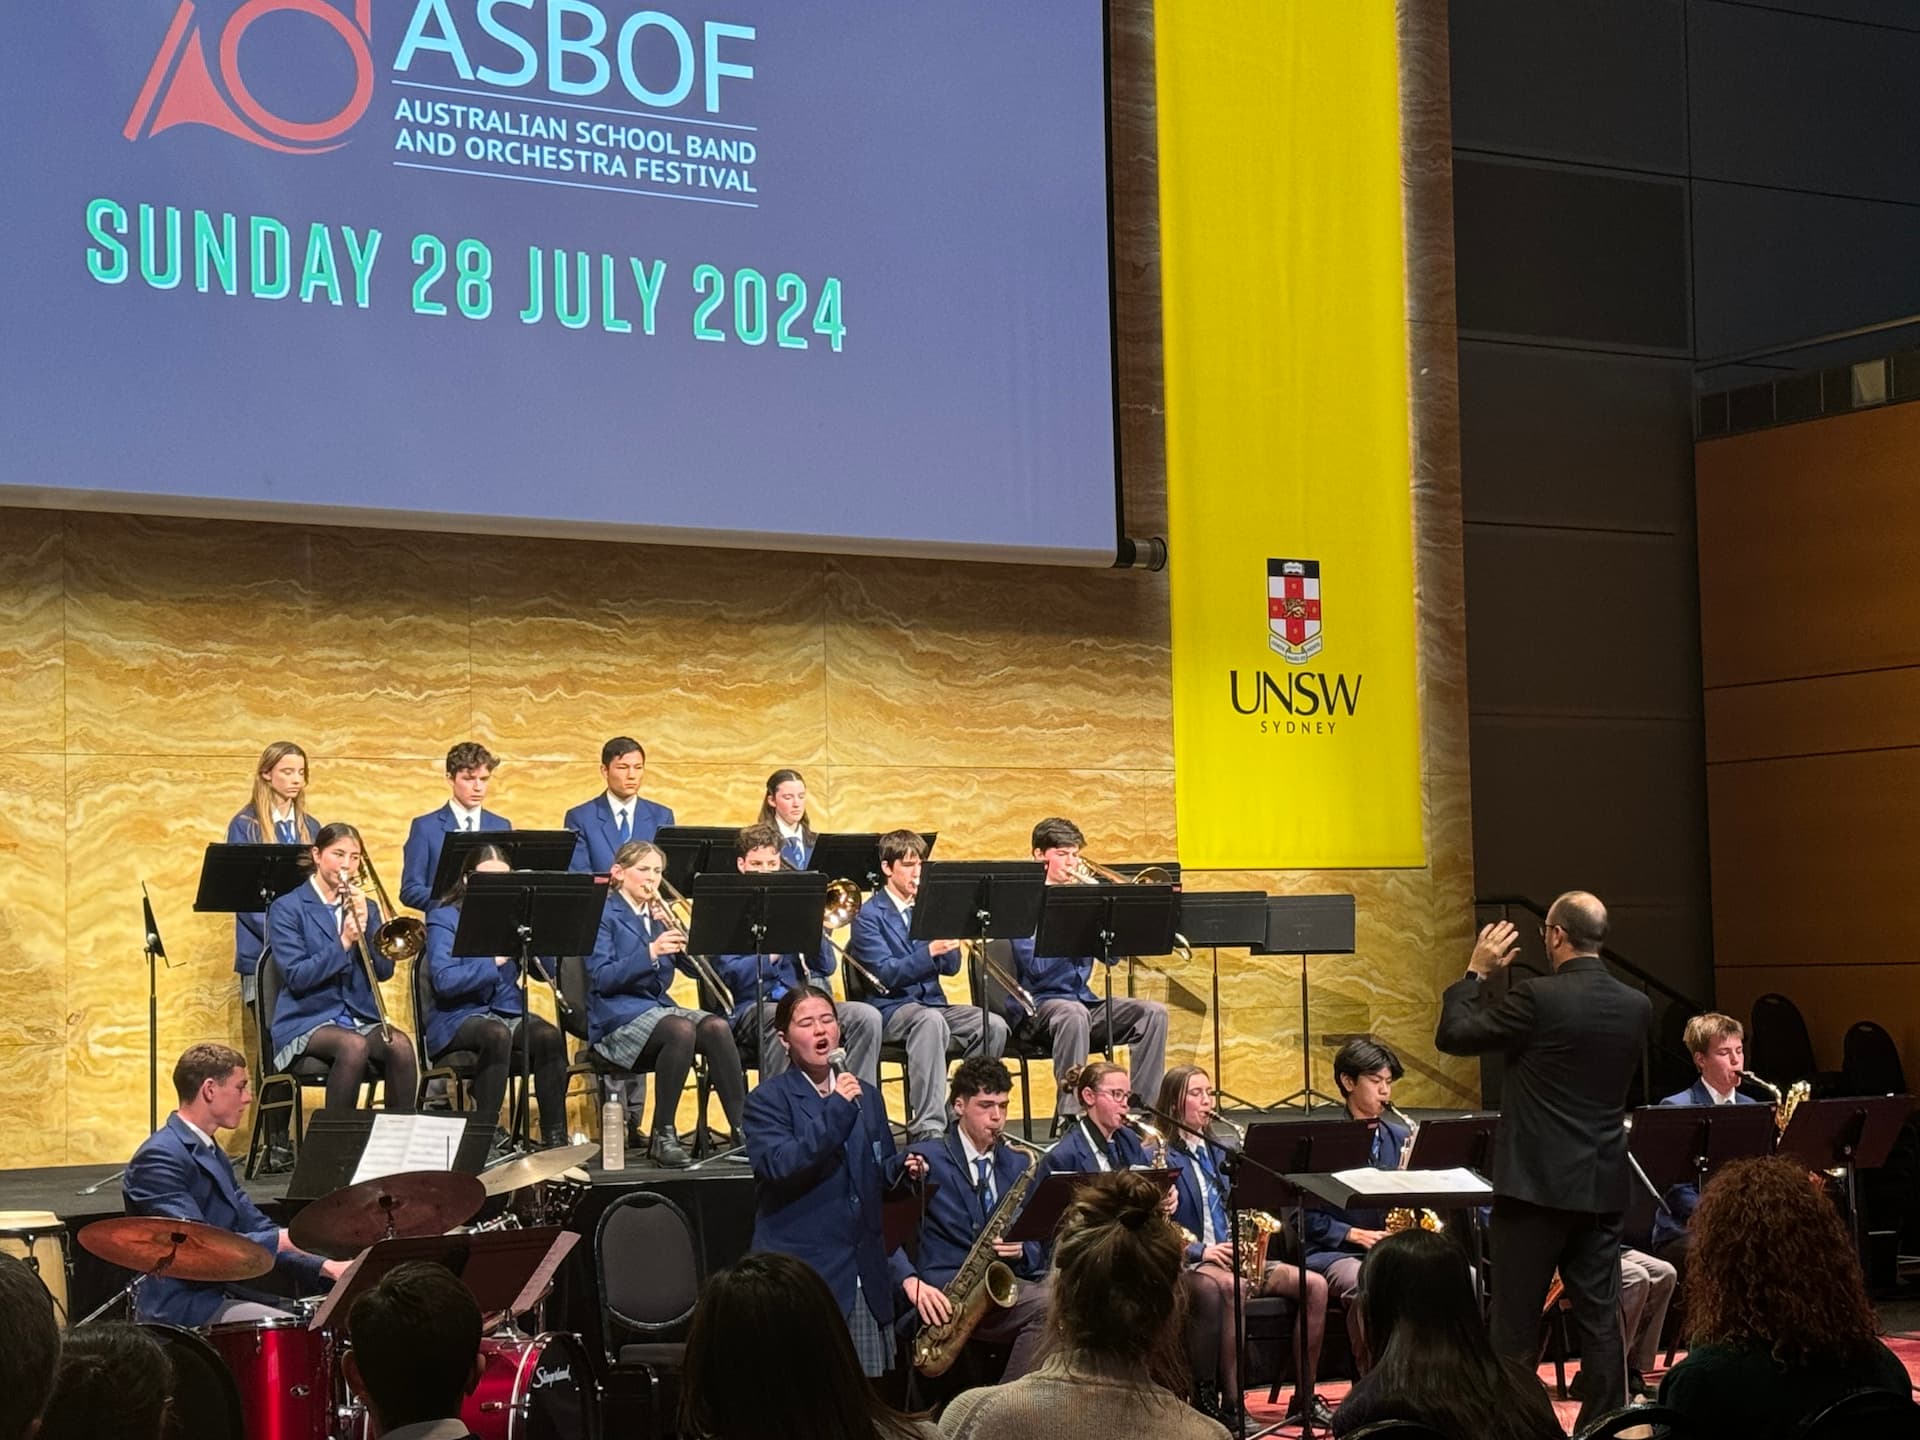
613 1136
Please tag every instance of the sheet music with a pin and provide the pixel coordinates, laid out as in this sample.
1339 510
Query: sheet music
399 1144
1388 1183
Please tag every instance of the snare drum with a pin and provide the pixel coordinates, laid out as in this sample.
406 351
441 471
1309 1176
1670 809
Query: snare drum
39 1237
538 1389
285 1375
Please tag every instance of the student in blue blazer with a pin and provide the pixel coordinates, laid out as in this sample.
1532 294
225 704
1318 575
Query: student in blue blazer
474 1004
1099 1138
1201 1193
618 813
633 1021
784 807
470 768
1069 1013
275 815
914 1011
970 1170
757 852
1718 1046
181 1172
327 1006
824 1157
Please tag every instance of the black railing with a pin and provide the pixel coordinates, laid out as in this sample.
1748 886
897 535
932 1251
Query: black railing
1668 1048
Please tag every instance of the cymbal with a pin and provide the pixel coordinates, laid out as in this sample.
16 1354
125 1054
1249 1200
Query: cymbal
179 1249
532 1169
392 1207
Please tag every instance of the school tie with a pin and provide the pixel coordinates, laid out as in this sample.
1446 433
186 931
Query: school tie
285 827
626 826
792 853
466 822
985 1164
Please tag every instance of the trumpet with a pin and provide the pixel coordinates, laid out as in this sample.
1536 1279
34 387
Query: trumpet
675 911
1002 977
399 938
843 903
1091 872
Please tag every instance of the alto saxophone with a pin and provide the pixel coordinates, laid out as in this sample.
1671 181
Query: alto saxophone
983 1279
1402 1217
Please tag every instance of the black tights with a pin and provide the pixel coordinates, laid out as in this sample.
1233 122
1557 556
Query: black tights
1212 1346
497 1045
349 1054
669 1053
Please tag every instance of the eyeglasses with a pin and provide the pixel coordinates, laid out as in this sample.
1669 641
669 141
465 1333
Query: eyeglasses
1114 1094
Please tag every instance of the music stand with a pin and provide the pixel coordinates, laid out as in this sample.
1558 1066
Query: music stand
1048 1201
1105 921
855 855
1685 1144
972 900
1217 919
525 913
1304 925
506 1270
1854 1134
749 913
336 1139
524 849
1461 1142
697 850
1268 1175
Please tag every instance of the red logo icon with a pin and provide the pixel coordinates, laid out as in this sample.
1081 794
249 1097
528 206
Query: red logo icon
1293 609
180 89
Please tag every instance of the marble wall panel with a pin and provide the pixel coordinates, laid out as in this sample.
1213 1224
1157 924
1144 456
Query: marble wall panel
994 665
204 637
702 655
33 921
33 640
33 1077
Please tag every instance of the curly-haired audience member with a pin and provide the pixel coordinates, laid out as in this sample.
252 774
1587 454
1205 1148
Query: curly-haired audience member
1116 1363
1434 1364
1778 1313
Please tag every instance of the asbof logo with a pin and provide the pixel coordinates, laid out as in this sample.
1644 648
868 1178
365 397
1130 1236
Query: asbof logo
1293 609
180 89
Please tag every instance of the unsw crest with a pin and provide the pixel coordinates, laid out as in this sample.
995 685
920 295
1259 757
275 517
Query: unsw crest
1293 609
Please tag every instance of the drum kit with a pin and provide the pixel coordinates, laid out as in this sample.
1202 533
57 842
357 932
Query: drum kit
281 1378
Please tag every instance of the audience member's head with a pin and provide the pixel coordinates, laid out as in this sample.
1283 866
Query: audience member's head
1771 1265
416 1346
112 1384
29 1349
1117 1297
806 1382
1433 1362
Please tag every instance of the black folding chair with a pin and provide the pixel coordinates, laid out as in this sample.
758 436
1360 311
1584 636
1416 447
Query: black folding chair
1658 1421
648 1261
1865 1415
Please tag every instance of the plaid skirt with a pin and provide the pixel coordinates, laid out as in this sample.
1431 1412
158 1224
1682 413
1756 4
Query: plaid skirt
624 1045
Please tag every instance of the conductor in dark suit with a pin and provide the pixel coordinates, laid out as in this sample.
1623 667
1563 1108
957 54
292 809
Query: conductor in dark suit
1571 1040
416 1353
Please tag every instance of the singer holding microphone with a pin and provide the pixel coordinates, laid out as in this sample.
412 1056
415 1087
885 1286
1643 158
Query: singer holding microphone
824 1156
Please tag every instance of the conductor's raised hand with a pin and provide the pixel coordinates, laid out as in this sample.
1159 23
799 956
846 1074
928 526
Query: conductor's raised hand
1495 949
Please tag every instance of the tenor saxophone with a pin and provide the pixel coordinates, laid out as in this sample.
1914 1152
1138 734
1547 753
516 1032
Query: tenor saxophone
983 1279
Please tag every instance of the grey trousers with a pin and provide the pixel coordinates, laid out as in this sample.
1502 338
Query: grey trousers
1646 1290
931 1034
1074 1026
859 1033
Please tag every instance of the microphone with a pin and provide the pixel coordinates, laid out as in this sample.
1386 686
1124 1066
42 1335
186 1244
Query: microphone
837 1064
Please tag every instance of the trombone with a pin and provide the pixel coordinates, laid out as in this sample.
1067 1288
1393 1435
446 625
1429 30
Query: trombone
674 910
1091 872
843 903
1002 977
400 937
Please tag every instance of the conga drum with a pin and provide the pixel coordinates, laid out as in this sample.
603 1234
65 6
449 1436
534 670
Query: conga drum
39 1237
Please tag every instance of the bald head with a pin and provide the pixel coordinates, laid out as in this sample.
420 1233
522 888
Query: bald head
1583 919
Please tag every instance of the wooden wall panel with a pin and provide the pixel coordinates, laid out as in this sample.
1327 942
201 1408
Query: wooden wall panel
1812 663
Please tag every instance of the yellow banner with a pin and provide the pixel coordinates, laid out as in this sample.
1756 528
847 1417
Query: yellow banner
1296 720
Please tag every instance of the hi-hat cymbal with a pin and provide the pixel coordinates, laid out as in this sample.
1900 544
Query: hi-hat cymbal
179 1249
393 1207
532 1169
